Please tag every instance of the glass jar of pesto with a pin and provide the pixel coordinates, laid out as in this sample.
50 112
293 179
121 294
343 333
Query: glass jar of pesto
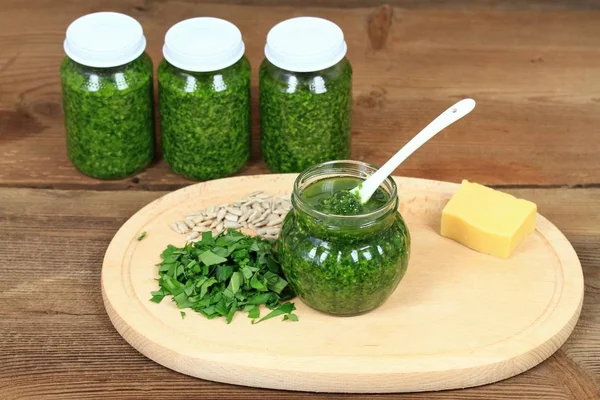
343 258
107 96
204 99
305 95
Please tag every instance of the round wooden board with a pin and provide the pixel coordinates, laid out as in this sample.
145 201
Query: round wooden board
457 319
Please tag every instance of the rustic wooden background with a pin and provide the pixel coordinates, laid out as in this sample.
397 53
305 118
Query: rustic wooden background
533 66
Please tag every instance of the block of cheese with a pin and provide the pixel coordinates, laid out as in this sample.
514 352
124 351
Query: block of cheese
487 220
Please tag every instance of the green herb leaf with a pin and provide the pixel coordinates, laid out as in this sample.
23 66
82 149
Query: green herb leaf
209 258
158 295
290 317
224 272
246 272
219 276
207 284
257 284
221 251
255 313
182 313
262 298
232 310
142 236
236 281
285 308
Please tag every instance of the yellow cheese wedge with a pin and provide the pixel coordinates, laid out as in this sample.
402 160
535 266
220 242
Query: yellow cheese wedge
487 220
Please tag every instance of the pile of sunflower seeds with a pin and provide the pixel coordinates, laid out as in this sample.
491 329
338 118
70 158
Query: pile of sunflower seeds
260 212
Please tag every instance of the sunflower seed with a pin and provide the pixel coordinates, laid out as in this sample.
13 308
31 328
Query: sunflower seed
189 224
231 217
262 212
259 224
201 228
198 219
182 227
264 215
254 216
221 214
231 224
245 216
250 202
272 231
275 221
174 227
272 217
191 236
234 211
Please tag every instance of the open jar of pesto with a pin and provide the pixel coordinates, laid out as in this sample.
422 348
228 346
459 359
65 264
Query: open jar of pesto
204 99
107 96
340 257
305 95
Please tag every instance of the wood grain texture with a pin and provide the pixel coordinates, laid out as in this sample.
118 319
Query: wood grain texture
58 343
458 318
532 67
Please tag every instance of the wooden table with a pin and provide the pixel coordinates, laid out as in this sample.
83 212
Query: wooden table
533 66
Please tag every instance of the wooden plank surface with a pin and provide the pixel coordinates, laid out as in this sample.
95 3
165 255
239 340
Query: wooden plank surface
57 341
533 67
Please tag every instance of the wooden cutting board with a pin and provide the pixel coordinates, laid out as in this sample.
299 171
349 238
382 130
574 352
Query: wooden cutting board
457 319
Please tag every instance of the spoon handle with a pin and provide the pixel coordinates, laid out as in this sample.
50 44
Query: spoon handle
451 115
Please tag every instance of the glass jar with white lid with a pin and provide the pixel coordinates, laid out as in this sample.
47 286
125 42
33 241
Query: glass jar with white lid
204 99
305 95
107 89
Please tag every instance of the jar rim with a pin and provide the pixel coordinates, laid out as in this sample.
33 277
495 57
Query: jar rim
344 168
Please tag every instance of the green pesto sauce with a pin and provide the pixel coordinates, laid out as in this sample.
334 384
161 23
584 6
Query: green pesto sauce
305 117
109 117
333 196
205 119
343 268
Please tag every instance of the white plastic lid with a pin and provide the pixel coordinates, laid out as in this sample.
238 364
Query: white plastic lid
305 44
203 44
104 39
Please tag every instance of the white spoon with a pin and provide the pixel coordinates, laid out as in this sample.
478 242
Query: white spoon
451 115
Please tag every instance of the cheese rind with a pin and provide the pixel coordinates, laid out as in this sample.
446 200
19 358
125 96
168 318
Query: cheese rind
487 220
